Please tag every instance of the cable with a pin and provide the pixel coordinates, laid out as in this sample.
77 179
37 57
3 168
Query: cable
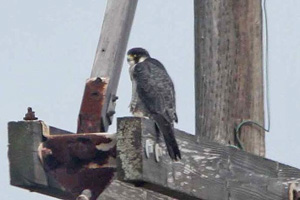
266 53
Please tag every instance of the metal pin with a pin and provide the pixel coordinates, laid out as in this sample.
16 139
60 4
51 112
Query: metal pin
98 80
158 152
148 147
114 98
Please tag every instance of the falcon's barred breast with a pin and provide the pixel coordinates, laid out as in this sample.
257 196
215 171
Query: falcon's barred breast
153 95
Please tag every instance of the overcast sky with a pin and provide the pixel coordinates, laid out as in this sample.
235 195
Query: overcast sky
47 50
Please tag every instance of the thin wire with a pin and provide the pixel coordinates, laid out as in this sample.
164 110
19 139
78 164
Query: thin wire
247 122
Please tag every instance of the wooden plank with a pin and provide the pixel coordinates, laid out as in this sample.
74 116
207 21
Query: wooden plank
229 72
207 169
89 119
59 165
57 131
114 36
26 170
110 54
125 191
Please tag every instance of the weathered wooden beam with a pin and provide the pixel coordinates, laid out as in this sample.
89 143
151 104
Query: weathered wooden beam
60 165
108 61
64 172
26 170
57 131
120 190
114 37
207 169
89 119
229 72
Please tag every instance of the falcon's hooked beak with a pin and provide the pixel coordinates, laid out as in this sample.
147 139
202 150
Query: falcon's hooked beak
131 60
134 59
137 55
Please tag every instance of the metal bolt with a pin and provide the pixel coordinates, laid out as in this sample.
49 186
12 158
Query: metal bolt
114 98
148 147
30 115
85 195
98 80
111 113
158 152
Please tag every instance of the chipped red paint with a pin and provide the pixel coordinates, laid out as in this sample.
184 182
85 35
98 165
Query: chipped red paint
89 119
77 162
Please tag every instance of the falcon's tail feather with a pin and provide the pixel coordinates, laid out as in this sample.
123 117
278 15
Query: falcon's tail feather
166 128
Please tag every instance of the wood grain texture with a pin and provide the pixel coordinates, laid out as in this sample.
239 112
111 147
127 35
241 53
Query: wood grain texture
229 71
24 138
125 191
26 170
111 51
207 169
90 119
57 131
114 37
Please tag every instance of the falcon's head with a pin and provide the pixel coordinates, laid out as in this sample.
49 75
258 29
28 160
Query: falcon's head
136 55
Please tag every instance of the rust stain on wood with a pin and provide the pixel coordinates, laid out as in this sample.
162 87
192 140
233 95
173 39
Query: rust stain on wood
89 120
79 162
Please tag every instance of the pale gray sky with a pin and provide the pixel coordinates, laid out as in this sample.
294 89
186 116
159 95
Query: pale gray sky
47 50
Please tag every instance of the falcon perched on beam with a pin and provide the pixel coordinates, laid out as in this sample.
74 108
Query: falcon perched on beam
153 95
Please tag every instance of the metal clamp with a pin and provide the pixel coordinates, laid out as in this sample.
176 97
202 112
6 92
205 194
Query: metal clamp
148 147
158 152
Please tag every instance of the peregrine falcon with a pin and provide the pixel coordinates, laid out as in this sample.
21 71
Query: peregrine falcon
153 95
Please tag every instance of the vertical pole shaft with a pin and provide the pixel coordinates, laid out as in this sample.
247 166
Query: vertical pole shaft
99 100
229 71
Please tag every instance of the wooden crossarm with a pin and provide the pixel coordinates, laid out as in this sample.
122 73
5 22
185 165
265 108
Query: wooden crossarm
107 67
207 170
58 175
60 165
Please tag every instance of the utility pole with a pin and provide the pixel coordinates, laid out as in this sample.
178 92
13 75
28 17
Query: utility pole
229 90
229 72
